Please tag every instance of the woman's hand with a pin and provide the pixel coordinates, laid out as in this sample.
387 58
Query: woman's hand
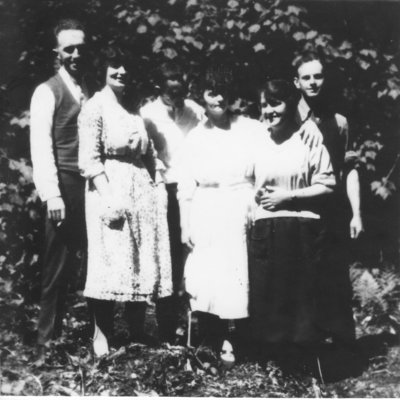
186 238
113 213
273 198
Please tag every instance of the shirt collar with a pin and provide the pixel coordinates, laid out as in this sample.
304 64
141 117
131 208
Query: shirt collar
304 110
67 78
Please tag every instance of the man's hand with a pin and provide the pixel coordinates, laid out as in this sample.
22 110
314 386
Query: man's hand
356 226
56 209
273 198
113 212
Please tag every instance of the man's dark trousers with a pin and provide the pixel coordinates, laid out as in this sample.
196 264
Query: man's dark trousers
59 259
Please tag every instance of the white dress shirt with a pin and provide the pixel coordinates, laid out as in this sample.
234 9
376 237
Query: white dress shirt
41 124
168 132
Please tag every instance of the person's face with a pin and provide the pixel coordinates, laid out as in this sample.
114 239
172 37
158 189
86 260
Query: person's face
310 78
116 78
174 93
273 112
70 50
216 103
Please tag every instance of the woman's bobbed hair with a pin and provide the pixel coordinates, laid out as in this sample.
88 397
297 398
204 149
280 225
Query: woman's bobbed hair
281 90
219 78
113 57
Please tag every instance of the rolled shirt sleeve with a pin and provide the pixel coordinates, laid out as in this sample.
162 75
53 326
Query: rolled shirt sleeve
321 167
351 158
41 142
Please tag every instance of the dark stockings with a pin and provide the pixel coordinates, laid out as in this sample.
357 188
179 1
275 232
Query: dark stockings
213 330
102 314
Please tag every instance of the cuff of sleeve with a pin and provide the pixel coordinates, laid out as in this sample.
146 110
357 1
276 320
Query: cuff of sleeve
50 193
329 182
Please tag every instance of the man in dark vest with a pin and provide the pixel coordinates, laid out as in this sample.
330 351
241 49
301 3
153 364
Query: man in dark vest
55 107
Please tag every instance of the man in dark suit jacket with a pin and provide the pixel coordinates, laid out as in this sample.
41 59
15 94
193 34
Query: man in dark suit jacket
55 106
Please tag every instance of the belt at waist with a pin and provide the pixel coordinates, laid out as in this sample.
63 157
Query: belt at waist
123 158
236 185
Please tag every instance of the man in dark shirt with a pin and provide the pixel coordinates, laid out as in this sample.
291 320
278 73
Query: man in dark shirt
335 285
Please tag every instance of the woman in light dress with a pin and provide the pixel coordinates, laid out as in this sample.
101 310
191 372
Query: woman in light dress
215 193
288 240
128 244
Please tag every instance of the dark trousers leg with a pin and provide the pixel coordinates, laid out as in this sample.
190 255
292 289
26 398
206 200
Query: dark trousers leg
176 246
54 283
59 261
102 314
168 309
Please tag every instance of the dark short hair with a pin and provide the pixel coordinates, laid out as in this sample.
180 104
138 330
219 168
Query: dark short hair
113 56
168 70
281 90
219 78
305 57
67 24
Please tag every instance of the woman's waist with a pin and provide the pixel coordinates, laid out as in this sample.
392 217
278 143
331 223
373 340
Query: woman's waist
234 185
135 159
261 213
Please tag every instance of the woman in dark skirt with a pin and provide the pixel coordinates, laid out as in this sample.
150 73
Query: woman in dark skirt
287 242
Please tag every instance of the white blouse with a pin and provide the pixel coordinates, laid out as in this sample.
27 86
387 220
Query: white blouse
218 157
291 165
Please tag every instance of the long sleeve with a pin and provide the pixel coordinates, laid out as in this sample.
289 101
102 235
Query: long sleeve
90 140
41 141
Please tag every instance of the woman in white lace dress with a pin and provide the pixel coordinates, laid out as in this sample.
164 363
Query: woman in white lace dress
128 244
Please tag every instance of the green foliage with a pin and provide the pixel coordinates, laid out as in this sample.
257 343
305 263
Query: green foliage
377 293
258 38
20 214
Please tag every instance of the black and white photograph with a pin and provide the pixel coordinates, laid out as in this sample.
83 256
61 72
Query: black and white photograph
200 198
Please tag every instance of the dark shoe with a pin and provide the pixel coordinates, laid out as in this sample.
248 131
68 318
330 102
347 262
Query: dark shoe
143 338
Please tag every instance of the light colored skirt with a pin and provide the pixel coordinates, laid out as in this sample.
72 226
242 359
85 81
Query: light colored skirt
132 263
216 271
